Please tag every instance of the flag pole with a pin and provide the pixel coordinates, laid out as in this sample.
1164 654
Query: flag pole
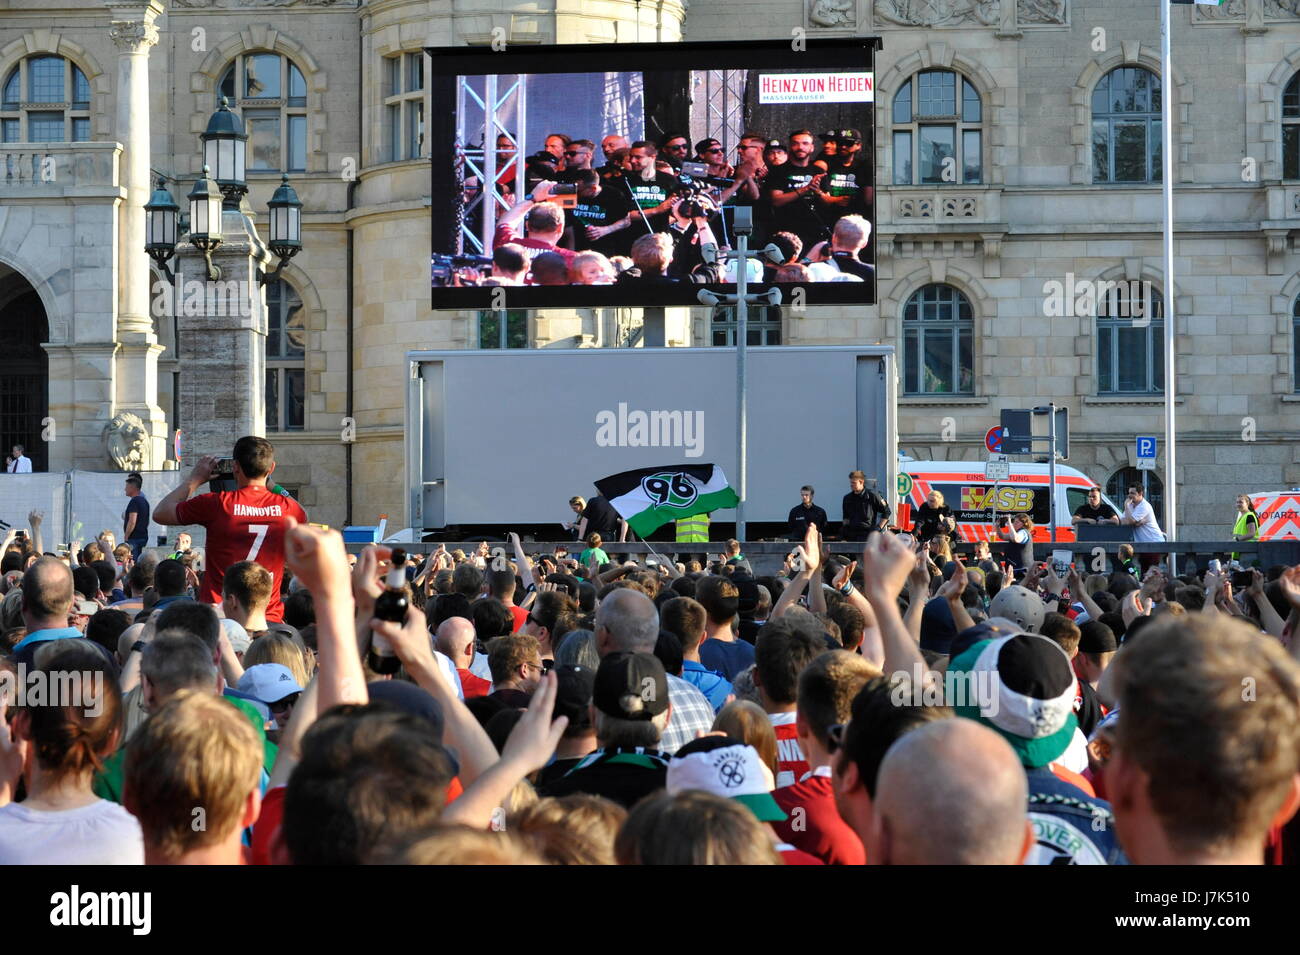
1170 362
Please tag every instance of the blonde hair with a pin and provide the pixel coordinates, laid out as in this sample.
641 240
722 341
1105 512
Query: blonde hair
279 647
652 252
936 493
693 827
196 751
458 845
582 258
571 830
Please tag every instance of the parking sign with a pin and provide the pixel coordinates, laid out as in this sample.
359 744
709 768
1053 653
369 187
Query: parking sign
1146 446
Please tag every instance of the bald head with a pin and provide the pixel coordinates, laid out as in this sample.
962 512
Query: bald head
952 793
455 638
629 620
47 594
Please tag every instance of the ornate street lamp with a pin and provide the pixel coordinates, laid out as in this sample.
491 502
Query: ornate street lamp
225 151
205 220
286 227
161 212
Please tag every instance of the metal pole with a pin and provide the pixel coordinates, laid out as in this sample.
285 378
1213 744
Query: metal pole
1166 126
1051 465
742 403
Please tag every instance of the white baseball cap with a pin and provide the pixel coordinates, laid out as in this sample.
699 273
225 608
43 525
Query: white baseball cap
725 767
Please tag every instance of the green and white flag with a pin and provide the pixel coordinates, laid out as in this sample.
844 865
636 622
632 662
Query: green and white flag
648 498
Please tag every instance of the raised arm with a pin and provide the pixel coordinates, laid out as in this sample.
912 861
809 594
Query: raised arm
886 562
1268 615
165 511
318 558
1080 593
951 591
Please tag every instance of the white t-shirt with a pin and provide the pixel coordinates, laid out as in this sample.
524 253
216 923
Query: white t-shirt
102 833
1145 516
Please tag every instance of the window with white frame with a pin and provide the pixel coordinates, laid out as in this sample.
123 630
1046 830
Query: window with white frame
403 106
938 136
45 99
286 350
270 94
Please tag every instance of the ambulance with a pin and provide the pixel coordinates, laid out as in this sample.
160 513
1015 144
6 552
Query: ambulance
976 501
1278 513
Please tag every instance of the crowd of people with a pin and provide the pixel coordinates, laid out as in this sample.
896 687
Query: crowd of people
644 215
900 708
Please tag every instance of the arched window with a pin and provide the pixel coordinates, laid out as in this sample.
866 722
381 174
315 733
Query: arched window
1126 126
45 99
1130 340
286 349
1291 129
1119 483
938 343
937 133
270 94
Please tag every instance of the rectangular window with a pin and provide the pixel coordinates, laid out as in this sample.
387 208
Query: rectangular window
903 159
966 358
1131 358
414 128
1130 151
1157 152
392 131
911 361
263 139
903 103
414 72
1105 360
262 76
937 145
273 399
937 94
938 362
1100 151
45 80
492 335
45 128
392 76
81 130
12 129
297 87
971 157
295 398
1291 151
297 144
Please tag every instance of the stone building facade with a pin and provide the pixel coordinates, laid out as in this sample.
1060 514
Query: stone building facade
1052 129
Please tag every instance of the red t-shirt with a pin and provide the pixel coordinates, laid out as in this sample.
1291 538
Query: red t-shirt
815 825
792 856
247 524
520 615
472 685
790 762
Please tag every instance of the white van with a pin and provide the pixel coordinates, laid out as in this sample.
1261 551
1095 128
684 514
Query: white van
1278 513
974 499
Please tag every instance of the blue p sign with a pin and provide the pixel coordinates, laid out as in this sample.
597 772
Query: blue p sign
1146 447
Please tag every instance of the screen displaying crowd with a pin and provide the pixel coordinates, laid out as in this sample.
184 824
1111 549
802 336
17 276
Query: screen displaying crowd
903 706
637 213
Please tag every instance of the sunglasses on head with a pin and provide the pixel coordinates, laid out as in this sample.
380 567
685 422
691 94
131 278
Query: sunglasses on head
835 737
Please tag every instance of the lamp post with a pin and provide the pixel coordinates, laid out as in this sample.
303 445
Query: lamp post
205 220
286 228
161 213
742 255
225 152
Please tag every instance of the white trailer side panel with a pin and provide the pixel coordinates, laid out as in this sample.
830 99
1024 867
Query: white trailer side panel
509 436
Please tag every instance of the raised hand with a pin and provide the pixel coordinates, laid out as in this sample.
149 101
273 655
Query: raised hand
954 586
886 564
317 557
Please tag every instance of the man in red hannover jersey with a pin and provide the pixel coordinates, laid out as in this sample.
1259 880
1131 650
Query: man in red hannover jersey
247 523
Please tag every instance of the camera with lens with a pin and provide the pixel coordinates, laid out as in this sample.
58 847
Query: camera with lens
444 266
696 202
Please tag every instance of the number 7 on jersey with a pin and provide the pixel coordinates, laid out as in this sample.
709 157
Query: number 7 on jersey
260 531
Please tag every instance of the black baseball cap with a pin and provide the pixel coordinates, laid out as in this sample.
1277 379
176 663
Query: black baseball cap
849 136
776 144
631 686
573 692
828 135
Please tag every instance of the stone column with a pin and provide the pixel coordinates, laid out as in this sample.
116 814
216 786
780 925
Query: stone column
221 339
136 372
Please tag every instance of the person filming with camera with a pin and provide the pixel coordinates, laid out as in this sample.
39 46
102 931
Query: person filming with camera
248 523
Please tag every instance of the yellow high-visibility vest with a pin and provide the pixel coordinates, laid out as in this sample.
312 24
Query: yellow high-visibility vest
693 530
